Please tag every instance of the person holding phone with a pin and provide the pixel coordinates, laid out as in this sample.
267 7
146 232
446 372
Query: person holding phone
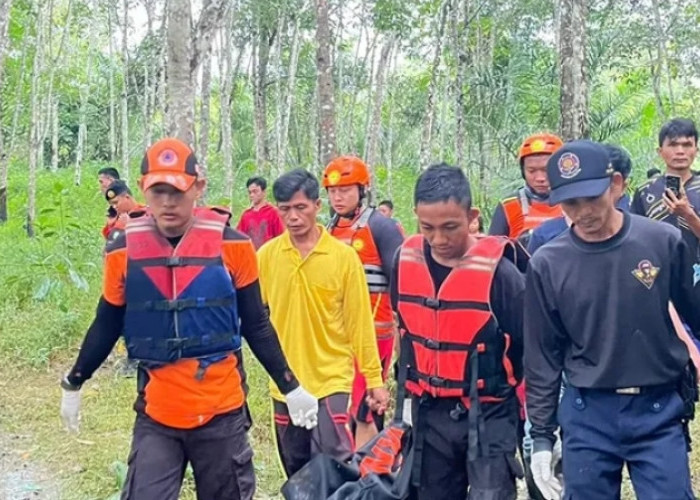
675 196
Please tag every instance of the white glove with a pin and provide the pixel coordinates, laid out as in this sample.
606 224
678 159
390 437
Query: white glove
556 453
70 409
406 415
303 408
541 466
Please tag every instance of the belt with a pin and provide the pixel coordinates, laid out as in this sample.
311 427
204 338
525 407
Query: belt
629 390
633 391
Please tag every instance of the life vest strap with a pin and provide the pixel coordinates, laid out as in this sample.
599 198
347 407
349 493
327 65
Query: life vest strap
488 385
178 343
177 261
437 345
442 304
180 304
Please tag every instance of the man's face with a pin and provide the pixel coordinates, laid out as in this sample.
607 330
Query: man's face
173 209
299 214
256 194
535 171
445 226
678 153
104 181
122 203
344 199
385 211
591 215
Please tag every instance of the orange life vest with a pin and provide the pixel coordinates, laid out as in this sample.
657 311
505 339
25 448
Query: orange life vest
457 348
359 236
524 214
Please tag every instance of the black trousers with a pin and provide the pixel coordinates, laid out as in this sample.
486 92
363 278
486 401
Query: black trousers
221 458
444 471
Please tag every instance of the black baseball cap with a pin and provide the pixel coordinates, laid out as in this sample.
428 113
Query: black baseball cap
115 189
579 169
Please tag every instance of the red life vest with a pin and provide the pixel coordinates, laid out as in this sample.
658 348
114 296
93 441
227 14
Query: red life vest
359 236
457 348
525 214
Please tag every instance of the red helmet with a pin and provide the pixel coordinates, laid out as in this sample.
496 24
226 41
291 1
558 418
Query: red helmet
346 171
539 144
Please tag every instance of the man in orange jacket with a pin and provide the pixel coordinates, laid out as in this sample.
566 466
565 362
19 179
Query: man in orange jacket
183 288
376 239
518 214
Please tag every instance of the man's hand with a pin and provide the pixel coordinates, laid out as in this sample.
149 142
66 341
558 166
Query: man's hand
541 465
123 218
303 408
378 399
678 206
70 407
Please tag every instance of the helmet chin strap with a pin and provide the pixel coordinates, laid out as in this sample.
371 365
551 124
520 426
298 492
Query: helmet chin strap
535 196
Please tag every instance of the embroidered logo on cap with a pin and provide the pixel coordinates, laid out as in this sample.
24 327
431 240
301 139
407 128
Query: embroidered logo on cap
537 145
167 158
334 177
646 273
569 165
111 194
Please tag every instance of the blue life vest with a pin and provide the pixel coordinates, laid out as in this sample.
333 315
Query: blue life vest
180 302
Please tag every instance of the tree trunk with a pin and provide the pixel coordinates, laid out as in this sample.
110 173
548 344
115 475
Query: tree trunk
326 94
260 99
459 13
34 128
376 121
4 154
124 96
664 63
112 90
291 88
426 136
572 70
51 103
54 134
179 88
204 112
279 154
225 106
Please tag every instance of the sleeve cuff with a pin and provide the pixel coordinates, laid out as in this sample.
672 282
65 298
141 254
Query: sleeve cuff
541 444
375 382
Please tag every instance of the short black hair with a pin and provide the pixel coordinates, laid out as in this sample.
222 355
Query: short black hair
619 159
287 185
109 172
678 127
440 183
653 172
257 180
387 203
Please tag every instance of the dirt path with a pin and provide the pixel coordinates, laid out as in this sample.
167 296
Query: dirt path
20 477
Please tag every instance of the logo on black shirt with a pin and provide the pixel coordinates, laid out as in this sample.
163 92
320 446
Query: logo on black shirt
646 273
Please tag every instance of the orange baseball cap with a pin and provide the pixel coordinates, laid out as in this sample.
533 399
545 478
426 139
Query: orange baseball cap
169 161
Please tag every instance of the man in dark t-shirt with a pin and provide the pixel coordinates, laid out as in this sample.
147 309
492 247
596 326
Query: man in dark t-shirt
597 310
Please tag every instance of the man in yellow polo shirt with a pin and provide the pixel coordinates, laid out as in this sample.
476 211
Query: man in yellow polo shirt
314 286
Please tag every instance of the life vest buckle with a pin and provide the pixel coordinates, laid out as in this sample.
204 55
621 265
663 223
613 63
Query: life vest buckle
432 344
174 261
175 344
431 303
436 381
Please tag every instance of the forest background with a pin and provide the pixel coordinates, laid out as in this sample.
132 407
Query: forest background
259 87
